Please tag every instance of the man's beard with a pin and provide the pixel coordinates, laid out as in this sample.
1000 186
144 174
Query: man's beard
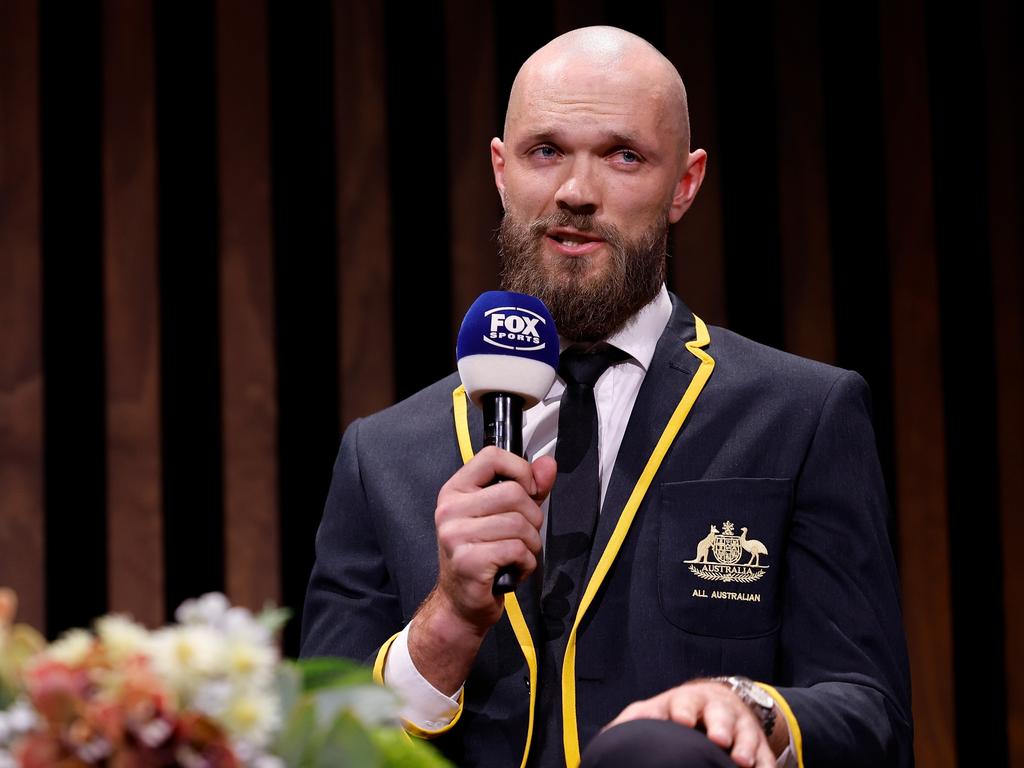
588 303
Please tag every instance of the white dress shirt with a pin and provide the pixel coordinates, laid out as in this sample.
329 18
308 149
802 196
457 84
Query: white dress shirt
615 393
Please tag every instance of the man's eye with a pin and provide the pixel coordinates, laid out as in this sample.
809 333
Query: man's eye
545 152
630 157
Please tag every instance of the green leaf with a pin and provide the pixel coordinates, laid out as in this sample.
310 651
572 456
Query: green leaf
298 741
402 751
288 684
347 743
331 672
273 618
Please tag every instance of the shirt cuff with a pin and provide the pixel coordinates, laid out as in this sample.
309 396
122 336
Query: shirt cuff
793 755
423 706
788 758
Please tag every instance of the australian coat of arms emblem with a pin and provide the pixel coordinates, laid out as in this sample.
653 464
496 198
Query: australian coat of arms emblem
719 556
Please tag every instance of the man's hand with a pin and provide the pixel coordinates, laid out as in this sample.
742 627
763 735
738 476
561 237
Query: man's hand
480 528
726 720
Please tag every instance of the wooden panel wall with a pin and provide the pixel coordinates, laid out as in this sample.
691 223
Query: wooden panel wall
698 267
364 215
21 361
281 204
917 384
248 370
473 201
131 304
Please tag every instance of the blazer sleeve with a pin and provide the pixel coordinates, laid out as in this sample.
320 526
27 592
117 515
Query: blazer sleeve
352 605
843 653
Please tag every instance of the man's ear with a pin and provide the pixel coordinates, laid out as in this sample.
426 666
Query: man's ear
688 184
498 165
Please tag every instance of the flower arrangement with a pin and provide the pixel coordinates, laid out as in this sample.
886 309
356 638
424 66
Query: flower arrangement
210 691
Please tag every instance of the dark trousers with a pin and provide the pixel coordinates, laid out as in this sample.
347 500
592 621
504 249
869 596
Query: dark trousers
654 744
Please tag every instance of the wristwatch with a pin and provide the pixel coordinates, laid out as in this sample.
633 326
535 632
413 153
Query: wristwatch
754 696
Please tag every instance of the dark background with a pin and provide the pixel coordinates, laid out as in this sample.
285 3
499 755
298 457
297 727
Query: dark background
227 229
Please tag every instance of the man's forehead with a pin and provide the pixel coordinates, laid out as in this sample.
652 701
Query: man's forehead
589 96
599 76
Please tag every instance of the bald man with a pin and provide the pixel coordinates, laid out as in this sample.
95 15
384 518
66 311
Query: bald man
740 528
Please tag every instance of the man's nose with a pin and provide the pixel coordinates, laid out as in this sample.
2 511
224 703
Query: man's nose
579 192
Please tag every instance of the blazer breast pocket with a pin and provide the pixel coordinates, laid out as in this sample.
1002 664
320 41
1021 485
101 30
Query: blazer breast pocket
720 553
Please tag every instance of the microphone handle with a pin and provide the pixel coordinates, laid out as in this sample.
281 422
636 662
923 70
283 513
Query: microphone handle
503 427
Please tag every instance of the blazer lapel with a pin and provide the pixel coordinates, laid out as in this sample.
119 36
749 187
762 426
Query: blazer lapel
668 376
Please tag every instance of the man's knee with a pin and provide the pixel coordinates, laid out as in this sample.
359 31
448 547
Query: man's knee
654 744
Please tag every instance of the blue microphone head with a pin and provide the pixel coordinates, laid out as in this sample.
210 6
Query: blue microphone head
508 343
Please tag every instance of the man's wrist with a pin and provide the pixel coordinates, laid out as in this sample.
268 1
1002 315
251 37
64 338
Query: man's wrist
443 645
758 700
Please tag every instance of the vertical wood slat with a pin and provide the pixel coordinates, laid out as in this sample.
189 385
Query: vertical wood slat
248 373
917 382
474 204
803 207
135 525
1006 203
699 258
21 376
364 220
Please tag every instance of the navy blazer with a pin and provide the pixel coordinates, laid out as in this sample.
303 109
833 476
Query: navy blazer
755 543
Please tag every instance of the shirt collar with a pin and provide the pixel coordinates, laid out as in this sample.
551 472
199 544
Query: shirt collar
639 336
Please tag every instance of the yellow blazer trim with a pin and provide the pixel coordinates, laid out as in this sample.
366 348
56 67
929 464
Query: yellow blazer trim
459 402
794 727
382 657
512 608
410 728
570 732
515 617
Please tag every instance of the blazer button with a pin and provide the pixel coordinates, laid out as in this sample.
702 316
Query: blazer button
526 681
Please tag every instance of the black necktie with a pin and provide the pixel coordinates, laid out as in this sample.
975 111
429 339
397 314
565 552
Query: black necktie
576 496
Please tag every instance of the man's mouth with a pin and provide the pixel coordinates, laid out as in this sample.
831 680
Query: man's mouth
574 242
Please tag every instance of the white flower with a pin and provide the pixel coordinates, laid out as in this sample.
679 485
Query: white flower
211 698
240 623
252 716
187 655
21 717
122 637
246 661
16 720
208 609
71 648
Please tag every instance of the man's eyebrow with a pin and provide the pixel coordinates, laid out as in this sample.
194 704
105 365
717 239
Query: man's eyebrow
623 139
612 138
540 136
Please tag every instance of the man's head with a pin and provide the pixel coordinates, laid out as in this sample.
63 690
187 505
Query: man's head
593 167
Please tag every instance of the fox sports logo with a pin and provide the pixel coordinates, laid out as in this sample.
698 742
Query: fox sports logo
513 328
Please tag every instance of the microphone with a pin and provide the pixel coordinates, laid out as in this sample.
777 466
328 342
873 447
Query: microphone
508 357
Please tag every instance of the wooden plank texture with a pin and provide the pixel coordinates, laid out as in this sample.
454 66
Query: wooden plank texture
699 260
248 372
809 324
364 220
134 502
21 376
921 501
474 205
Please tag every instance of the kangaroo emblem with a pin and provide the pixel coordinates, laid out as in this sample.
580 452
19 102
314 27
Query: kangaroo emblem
704 545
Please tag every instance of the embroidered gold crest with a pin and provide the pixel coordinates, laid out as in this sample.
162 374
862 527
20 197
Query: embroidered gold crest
719 555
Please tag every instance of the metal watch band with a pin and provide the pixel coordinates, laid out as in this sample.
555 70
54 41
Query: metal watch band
755 697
